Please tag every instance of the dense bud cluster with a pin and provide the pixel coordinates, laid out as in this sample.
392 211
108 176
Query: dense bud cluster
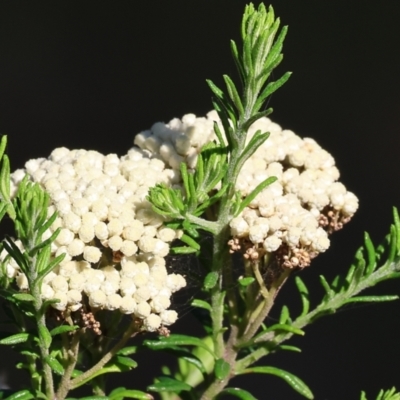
293 216
114 243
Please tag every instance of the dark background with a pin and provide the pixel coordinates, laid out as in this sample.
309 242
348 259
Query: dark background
92 74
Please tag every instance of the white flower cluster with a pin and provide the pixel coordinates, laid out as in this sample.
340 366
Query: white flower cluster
295 214
114 243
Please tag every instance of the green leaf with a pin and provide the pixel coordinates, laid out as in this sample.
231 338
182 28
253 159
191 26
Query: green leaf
233 94
221 369
15 339
260 187
63 329
95 398
369 246
210 280
240 393
271 88
126 351
201 304
285 316
55 365
125 361
176 340
296 383
305 297
329 292
21 395
189 241
121 393
246 281
24 297
167 384
45 335
183 250
276 328
3 144
289 348
370 299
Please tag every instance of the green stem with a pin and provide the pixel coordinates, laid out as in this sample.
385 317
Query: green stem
327 307
86 376
73 352
256 320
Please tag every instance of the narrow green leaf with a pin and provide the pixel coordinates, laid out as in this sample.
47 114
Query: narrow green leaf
210 280
183 250
260 187
271 88
285 316
24 297
167 384
392 244
47 268
289 348
126 351
176 340
215 89
201 304
370 299
369 246
55 365
240 393
95 398
127 361
255 117
15 339
296 383
122 393
5 178
246 281
237 60
304 294
255 142
221 369
190 242
3 144
233 94
396 220
363 396
15 253
325 285
21 395
45 335
63 329
281 327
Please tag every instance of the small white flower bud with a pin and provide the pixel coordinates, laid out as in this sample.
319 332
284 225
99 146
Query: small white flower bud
97 299
168 317
143 309
63 301
92 254
272 243
75 248
128 305
59 284
152 323
113 301
115 243
76 282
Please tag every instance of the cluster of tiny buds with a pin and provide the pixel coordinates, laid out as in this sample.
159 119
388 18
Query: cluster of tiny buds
298 211
101 207
90 322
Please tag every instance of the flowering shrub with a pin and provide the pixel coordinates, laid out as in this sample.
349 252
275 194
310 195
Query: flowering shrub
87 267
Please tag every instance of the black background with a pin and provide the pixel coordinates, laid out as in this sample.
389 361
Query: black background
92 74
